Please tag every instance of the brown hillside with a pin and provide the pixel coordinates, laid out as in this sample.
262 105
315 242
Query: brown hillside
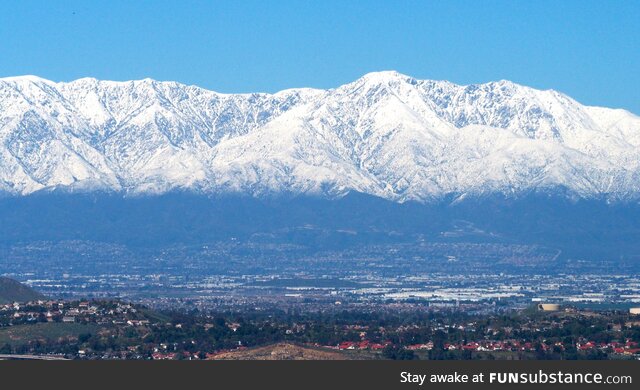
283 351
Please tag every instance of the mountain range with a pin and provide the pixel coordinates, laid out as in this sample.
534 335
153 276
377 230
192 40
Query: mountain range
386 134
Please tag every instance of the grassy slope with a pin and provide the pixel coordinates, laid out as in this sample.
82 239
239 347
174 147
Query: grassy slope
22 334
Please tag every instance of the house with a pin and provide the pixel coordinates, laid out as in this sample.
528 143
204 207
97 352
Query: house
415 347
347 345
163 356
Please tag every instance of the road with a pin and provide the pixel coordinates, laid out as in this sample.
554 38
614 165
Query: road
30 357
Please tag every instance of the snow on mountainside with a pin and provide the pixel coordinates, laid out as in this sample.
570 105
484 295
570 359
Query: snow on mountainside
385 134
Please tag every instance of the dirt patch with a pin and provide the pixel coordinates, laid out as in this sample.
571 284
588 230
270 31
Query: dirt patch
282 351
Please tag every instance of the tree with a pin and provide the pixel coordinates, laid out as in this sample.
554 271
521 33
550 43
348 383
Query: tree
392 352
6 349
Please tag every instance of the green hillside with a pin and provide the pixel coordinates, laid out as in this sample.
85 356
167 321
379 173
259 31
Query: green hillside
14 291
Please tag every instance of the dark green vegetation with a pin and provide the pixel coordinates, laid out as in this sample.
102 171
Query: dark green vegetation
14 291
21 336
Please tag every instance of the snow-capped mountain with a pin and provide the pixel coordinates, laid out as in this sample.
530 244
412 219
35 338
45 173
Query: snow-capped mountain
385 134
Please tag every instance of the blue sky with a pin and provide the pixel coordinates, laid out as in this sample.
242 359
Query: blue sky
587 49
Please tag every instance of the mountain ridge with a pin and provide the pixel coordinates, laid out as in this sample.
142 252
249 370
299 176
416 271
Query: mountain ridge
385 134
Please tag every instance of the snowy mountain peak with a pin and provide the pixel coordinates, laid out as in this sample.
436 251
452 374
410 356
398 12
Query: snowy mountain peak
385 77
385 134
25 79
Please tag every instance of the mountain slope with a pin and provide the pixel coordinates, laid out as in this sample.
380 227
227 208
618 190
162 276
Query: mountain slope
385 134
14 291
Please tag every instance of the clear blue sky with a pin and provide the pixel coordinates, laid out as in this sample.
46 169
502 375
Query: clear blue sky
587 49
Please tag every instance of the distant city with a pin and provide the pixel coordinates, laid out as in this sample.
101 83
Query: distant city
479 277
